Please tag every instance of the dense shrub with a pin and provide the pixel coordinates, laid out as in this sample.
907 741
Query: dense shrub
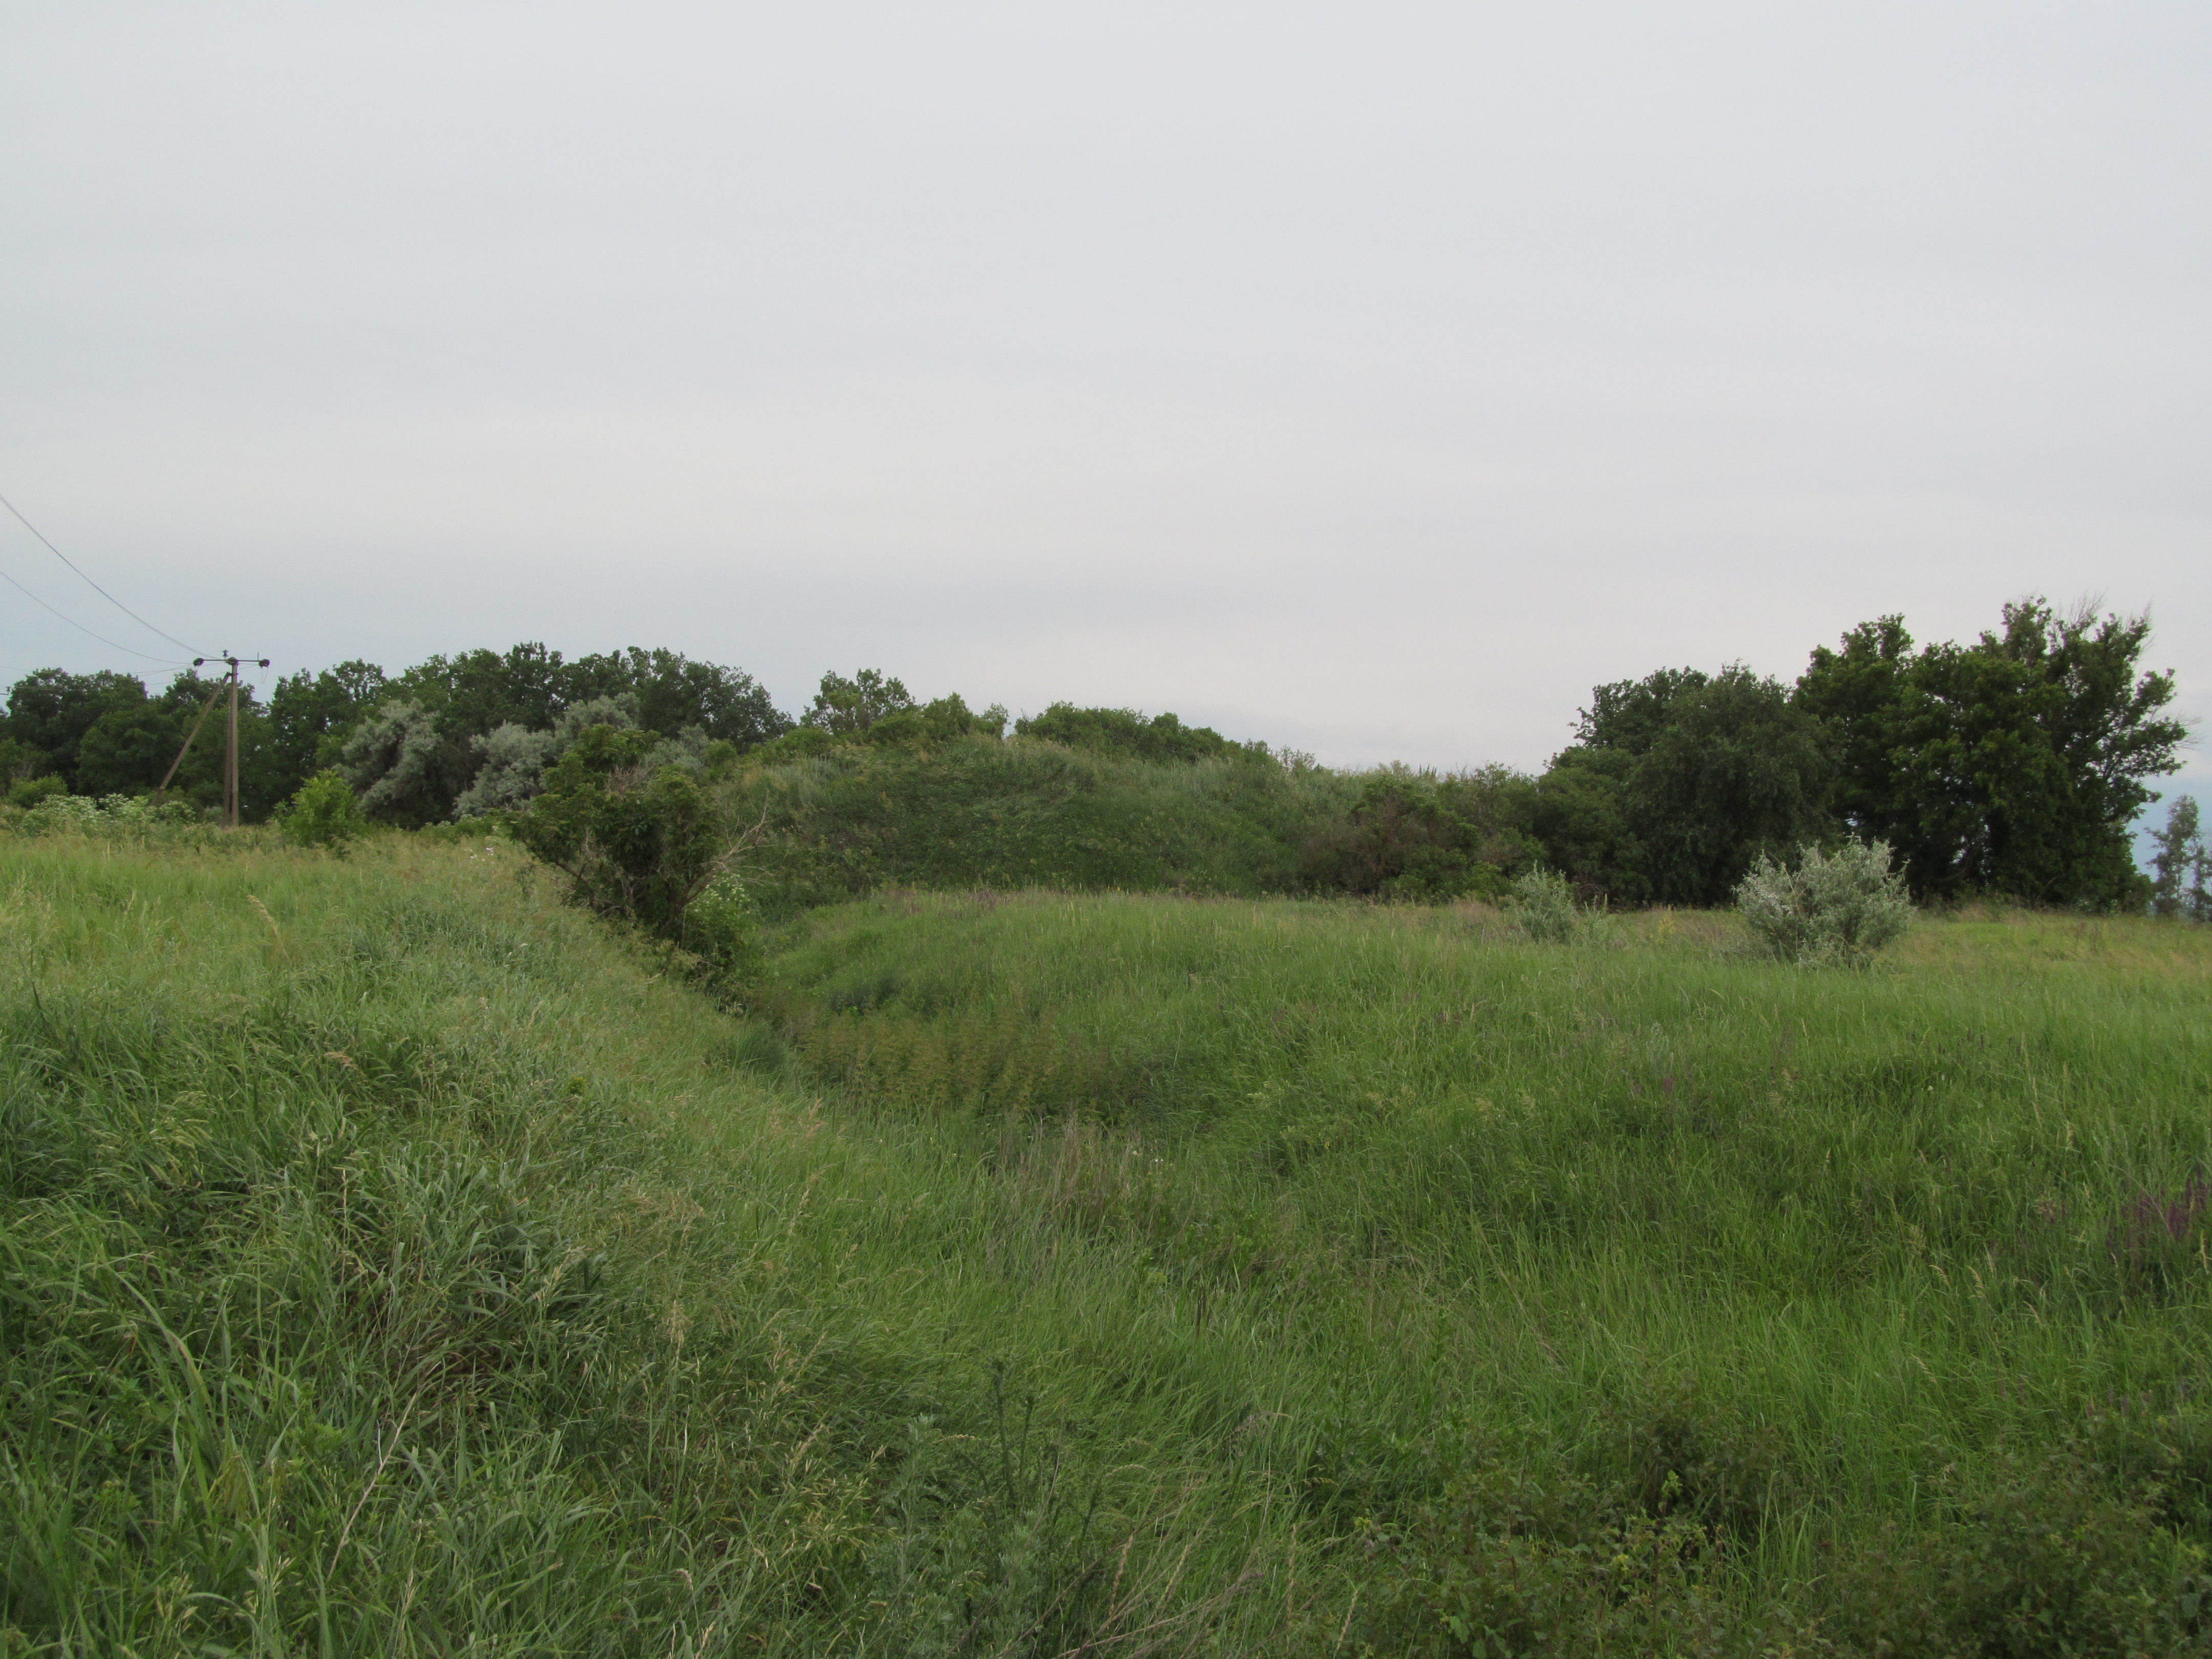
1510 1562
31 790
721 926
111 815
324 813
1416 836
405 768
638 840
1839 908
2036 1561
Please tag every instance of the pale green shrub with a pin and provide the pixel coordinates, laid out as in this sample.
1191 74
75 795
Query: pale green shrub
1546 907
513 769
1831 908
57 814
110 815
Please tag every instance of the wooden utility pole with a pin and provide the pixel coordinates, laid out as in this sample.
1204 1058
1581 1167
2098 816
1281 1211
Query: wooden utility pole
230 756
189 736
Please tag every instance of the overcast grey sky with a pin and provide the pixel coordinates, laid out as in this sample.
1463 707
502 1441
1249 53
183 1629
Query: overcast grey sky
1368 379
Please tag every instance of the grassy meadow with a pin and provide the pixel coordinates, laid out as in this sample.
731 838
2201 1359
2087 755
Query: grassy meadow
393 1260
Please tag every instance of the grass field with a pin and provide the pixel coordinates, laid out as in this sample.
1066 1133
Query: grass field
394 1262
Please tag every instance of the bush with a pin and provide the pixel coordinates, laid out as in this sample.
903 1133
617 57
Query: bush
322 813
512 761
638 840
1397 842
59 814
408 771
111 817
31 791
1837 908
975 811
1546 907
1508 1563
723 926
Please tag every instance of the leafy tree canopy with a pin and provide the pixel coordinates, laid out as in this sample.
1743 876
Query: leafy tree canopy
310 715
50 711
1682 781
472 693
2011 765
844 706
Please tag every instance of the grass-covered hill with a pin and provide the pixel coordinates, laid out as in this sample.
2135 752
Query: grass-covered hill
975 811
393 1260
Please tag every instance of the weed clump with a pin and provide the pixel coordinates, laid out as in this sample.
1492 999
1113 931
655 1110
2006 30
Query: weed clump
2038 1560
1839 908
1506 1562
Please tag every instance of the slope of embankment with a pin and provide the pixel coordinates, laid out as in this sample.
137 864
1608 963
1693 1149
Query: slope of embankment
393 1263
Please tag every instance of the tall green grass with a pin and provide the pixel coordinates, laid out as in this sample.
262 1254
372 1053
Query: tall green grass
392 1260
391 1264
1832 1253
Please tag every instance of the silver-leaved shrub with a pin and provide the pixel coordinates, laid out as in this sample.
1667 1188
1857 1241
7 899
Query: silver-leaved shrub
1545 906
1834 909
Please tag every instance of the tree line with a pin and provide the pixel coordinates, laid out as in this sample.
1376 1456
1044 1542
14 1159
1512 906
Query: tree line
2014 763
105 734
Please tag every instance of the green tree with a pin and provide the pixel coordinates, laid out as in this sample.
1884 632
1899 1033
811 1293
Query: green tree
50 711
2181 854
844 706
407 771
1581 822
471 693
939 720
127 750
310 716
531 686
1680 781
19 762
675 693
2012 765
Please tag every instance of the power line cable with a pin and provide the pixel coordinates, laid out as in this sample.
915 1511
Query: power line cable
93 586
168 662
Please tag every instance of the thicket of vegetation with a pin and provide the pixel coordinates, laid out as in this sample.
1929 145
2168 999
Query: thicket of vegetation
393 1262
2014 765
